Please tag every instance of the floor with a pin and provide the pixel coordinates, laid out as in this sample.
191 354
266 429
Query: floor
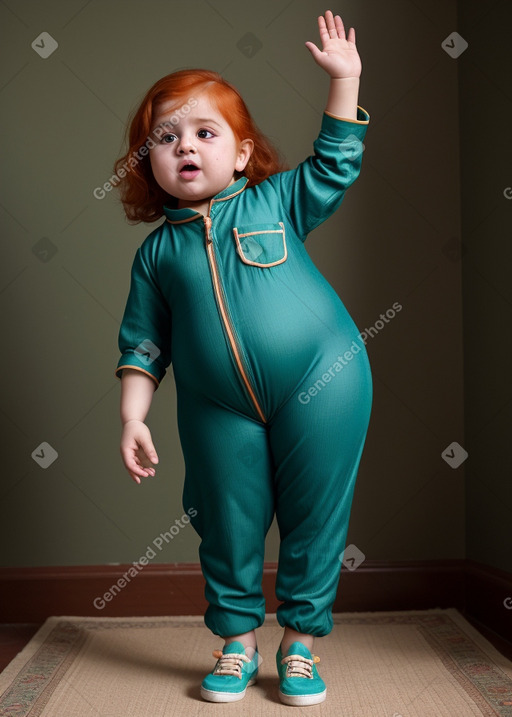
13 639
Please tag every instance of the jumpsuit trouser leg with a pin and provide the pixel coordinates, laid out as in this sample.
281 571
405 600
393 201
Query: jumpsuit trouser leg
317 446
302 465
229 482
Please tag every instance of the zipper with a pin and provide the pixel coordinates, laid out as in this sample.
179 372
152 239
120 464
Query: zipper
225 318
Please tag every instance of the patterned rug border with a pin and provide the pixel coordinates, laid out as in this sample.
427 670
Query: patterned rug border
29 681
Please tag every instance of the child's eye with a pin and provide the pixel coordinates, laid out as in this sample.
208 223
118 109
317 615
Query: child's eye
203 132
168 138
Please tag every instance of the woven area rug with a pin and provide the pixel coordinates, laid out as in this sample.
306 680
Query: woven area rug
431 663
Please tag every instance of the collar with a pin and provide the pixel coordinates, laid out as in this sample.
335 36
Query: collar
186 214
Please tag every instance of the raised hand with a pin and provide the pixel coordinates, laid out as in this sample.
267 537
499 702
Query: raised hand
339 56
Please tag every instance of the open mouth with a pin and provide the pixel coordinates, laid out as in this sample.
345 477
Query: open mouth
189 169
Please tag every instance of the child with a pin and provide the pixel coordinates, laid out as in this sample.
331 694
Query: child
273 382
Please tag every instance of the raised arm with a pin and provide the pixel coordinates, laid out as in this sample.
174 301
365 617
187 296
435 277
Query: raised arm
340 59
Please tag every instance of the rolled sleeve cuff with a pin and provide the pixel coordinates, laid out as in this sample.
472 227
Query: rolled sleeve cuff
132 360
346 133
362 116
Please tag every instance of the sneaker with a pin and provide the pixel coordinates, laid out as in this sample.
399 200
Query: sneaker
299 681
232 674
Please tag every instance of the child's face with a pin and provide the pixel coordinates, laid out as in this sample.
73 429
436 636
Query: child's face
202 138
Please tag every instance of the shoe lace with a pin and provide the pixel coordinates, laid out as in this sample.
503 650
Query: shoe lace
299 666
229 663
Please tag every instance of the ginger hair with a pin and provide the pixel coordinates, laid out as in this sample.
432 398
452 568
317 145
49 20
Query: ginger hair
142 198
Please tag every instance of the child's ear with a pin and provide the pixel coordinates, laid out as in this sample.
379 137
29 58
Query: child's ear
244 153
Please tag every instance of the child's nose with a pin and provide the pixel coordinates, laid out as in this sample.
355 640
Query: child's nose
187 144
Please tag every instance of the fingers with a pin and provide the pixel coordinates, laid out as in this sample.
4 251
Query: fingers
149 449
134 466
143 462
135 471
322 29
138 471
138 459
331 27
144 457
339 28
137 451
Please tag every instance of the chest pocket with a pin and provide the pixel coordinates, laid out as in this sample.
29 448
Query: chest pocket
261 245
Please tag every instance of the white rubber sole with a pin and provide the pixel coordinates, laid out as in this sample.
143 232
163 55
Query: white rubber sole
212 696
302 700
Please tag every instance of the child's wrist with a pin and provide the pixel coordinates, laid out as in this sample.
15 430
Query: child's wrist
343 97
347 80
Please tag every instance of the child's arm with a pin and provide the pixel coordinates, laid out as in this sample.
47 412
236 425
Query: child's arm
340 59
314 190
137 449
145 345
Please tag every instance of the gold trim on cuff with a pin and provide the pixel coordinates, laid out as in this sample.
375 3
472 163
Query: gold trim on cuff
346 119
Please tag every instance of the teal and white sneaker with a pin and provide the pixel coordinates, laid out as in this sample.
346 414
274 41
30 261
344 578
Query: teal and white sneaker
299 681
232 674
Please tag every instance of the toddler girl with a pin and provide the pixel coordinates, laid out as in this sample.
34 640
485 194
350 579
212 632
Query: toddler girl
273 382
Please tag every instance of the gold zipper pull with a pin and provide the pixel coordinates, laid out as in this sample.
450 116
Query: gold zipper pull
208 226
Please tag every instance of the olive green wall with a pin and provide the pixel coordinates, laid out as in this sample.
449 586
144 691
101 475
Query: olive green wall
67 257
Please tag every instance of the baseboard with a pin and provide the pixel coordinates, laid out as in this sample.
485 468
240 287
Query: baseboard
30 595
488 597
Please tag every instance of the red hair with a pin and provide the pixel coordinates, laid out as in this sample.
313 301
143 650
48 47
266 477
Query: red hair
143 199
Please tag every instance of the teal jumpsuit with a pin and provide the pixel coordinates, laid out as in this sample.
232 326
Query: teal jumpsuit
273 381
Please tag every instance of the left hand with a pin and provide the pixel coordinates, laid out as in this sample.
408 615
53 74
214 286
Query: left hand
339 56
